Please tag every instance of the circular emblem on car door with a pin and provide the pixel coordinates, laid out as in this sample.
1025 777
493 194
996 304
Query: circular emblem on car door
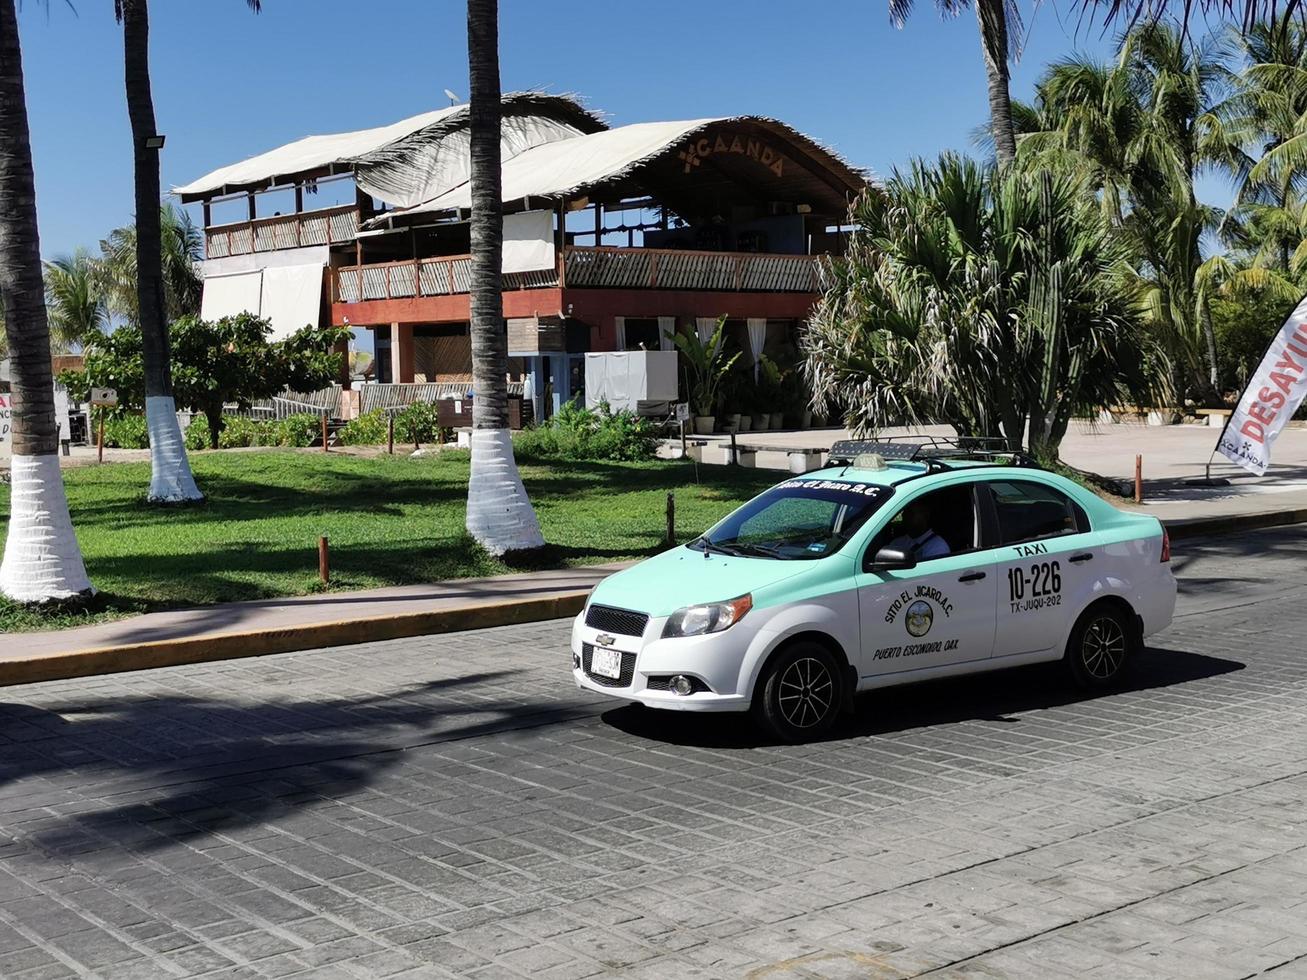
919 618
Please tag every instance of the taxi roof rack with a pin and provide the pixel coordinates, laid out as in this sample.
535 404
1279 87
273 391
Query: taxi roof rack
932 450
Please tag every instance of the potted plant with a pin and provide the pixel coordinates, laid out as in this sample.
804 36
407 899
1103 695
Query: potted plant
706 366
771 392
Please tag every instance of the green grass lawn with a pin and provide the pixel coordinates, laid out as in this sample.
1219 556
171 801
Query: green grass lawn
391 520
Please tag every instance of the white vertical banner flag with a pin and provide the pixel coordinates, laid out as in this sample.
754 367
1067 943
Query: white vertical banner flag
1274 392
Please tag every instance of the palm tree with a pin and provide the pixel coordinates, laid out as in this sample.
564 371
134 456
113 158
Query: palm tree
182 249
75 305
1142 131
994 300
170 471
499 515
42 561
997 20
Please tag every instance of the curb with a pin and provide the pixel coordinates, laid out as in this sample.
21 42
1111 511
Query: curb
1199 527
257 643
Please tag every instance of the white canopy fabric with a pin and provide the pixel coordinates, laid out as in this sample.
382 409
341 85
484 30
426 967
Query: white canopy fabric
289 296
229 295
562 166
637 381
292 298
405 175
312 152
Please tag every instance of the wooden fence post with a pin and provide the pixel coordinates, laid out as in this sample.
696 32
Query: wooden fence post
324 561
1139 479
390 432
671 520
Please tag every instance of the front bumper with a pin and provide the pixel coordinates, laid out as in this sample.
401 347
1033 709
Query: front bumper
714 660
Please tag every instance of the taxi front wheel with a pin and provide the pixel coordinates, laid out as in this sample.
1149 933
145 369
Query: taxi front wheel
800 695
1099 648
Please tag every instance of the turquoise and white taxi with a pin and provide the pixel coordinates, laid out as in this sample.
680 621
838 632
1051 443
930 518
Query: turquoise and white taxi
895 563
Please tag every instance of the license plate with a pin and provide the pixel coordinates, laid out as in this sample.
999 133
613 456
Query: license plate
606 663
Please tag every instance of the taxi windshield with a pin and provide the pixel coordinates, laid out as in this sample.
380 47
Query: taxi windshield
798 520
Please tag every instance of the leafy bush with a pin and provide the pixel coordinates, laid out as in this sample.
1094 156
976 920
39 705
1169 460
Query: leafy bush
578 433
197 433
124 431
366 430
417 423
298 430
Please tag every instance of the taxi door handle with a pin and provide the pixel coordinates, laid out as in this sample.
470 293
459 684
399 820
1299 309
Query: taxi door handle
1081 557
971 577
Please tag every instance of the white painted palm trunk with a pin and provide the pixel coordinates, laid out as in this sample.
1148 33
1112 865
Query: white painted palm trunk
42 561
499 515
170 471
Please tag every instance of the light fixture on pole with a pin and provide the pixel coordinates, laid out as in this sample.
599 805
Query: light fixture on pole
453 99
155 142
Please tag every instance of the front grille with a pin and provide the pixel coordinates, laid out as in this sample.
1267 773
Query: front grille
623 622
628 668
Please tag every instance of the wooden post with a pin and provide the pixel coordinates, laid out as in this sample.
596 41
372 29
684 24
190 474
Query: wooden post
324 561
99 441
671 520
735 459
390 433
324 433
1139 479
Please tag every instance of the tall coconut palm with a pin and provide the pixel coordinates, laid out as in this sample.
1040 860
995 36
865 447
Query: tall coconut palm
182 250
499 515
170 471
42 560
1143 130
74 301
998 21
991 300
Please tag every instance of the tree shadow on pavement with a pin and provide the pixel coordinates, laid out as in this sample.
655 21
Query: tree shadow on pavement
995 696
155 772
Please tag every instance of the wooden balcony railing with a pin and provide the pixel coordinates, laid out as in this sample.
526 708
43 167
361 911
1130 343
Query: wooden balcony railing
605 267
326 227
658 268
441 276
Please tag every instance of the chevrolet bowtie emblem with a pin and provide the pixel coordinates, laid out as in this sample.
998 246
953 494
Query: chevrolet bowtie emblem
604 640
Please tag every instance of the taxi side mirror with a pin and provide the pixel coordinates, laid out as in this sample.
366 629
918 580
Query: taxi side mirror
891 559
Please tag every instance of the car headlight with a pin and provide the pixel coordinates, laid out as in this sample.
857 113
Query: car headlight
711 617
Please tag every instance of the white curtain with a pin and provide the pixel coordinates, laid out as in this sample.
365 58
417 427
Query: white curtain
704 326
666 329
621 332
292 298
229 295
757 338
528 241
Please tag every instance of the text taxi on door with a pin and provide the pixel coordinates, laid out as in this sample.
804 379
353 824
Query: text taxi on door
897 562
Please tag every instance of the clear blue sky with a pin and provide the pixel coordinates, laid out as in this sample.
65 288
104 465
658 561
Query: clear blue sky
228 83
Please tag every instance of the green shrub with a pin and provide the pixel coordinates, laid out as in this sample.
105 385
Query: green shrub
417 423
578 433
124 431
197 433
299 430
366 430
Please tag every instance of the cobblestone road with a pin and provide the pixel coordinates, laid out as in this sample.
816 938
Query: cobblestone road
453 806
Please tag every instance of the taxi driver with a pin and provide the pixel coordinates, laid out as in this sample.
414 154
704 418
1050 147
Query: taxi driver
919 538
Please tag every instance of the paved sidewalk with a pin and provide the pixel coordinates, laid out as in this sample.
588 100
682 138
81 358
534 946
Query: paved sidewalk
1171 454
454 806
238 629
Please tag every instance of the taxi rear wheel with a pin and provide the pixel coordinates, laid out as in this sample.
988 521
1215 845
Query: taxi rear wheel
1099 648
800 695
